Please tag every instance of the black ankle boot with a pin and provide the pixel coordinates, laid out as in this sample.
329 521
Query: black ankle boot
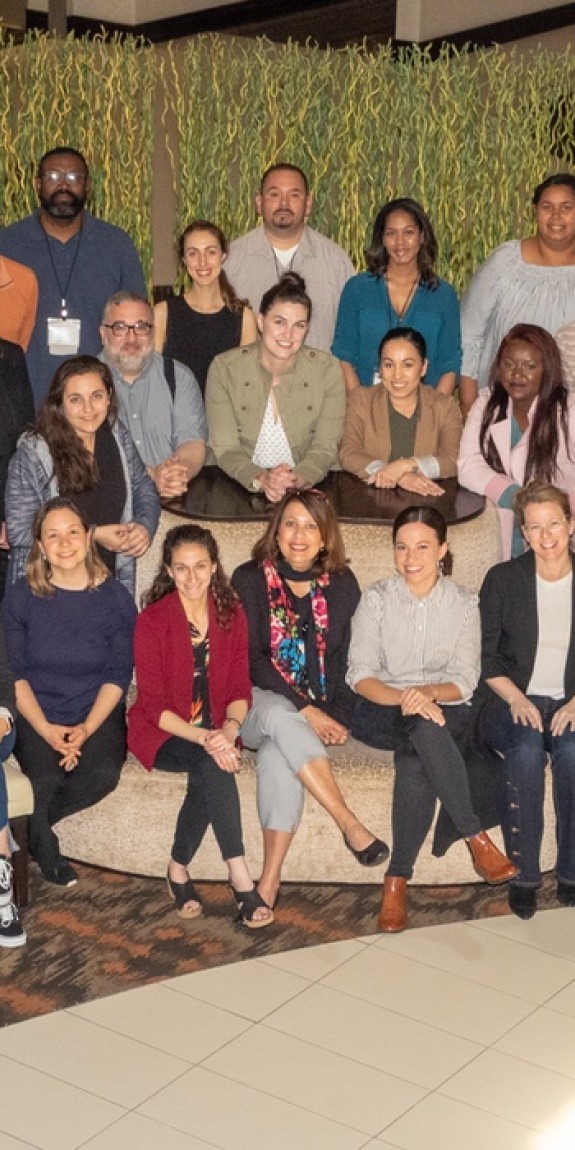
565 894
523 901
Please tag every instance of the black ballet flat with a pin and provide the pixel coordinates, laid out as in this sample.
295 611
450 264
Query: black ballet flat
373 855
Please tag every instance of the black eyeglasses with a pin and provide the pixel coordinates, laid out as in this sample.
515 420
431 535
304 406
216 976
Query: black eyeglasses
119 328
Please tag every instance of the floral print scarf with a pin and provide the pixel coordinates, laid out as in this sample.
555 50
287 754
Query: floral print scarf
287 647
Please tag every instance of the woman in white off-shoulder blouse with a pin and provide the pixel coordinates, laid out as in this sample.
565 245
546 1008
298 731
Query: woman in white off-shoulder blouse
531 280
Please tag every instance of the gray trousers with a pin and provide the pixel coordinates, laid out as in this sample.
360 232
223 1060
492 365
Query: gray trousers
284 742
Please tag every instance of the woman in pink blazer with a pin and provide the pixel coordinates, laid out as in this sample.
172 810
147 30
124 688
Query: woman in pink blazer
521 428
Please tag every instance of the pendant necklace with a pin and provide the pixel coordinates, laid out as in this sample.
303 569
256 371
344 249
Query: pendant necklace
400 312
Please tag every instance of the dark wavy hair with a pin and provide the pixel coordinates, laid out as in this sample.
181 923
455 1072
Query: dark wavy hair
74 468
289 289
38 571
430 517
551 415
377 258
225 599
558 180
231 300
332 554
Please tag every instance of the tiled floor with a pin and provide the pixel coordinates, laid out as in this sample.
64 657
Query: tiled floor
447 1038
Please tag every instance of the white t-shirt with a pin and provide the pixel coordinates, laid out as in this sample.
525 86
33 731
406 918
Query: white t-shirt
554 601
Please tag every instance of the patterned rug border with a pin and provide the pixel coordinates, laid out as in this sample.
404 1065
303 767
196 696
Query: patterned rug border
115 932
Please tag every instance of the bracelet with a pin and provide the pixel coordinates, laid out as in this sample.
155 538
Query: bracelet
230 719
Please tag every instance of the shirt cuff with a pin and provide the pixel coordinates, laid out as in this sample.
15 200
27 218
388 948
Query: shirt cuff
428 465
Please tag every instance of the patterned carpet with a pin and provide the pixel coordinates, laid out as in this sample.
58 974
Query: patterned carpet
113 932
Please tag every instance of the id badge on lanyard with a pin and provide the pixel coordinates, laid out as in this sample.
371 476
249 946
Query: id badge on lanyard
63 336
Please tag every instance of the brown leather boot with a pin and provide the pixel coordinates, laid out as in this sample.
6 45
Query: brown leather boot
489 862
393 913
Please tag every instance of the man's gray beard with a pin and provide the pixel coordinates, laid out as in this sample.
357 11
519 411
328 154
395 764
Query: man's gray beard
134 363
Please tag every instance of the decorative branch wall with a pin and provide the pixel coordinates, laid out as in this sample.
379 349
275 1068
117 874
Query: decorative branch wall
468 134
96 95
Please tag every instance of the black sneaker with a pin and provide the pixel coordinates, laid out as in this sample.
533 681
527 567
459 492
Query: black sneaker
12 932
5 881
62 874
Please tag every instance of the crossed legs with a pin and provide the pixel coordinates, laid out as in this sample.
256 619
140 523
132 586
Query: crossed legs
291 758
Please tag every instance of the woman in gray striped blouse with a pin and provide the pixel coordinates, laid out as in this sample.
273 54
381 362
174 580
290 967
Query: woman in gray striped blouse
414 663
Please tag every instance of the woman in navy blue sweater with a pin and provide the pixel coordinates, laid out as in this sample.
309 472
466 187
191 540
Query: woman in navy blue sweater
69 629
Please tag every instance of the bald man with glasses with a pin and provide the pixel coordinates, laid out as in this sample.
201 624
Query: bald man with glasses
79 262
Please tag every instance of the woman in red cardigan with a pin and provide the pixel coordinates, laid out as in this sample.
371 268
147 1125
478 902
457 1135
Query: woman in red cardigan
194 691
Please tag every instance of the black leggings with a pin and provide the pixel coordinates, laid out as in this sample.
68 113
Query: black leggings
428 766
211 797
58 793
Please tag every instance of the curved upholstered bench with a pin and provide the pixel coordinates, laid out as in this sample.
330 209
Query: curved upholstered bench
132 829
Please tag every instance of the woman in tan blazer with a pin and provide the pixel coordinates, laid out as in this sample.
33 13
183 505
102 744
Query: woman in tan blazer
402 433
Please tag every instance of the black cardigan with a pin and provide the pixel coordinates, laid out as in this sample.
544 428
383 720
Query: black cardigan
509 625
342 596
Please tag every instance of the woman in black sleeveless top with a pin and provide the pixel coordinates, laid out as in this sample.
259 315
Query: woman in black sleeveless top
208 318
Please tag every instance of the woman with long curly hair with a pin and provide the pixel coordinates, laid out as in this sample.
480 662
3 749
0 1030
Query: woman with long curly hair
521 428
80 449
208 318
194 691
400 288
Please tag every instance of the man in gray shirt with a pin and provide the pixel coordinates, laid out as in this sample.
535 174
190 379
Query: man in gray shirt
159 399
285 242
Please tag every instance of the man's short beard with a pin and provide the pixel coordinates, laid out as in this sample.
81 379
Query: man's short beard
132 362
64 209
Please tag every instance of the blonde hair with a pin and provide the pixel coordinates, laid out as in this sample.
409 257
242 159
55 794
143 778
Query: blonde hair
537 492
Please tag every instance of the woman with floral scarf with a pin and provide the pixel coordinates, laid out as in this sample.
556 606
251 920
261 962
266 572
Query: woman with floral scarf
299 597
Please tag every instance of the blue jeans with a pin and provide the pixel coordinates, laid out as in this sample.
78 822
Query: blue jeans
525 752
